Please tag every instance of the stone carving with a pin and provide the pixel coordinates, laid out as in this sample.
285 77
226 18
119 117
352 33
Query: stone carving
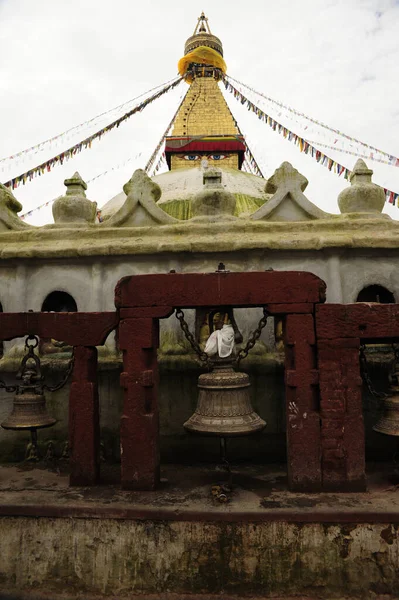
288 203
74 209
9 207
214 200
362 196
140 207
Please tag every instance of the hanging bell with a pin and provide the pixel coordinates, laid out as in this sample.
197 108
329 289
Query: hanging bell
29 411
29 406
389 422
224 406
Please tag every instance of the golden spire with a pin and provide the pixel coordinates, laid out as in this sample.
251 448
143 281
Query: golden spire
204 128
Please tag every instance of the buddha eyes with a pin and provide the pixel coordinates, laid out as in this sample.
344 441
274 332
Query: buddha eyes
211 156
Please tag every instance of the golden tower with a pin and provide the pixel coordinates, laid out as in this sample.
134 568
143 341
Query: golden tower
204 127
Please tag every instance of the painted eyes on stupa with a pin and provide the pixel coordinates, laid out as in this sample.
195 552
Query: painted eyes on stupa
217 156
211 156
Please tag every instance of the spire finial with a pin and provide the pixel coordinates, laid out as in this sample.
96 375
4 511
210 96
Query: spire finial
202 25
203 36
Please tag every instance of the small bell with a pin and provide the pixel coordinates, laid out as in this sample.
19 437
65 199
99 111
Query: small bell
389 422
29 411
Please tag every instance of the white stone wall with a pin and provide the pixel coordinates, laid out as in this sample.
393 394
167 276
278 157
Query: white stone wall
92 282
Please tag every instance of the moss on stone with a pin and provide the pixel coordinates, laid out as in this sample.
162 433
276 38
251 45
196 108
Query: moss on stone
181 209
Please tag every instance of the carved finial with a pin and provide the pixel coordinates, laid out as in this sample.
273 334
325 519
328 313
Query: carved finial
74 209
9 200
288 202
362 196
287 177
202 25
75 186
361 173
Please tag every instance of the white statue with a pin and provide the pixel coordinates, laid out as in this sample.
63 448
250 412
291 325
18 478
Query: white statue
222 341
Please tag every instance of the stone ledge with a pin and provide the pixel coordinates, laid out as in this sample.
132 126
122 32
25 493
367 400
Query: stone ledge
337 232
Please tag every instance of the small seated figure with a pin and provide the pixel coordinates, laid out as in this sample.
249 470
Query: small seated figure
59 302
221 342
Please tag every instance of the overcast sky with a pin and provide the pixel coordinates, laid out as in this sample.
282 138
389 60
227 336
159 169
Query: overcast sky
62 63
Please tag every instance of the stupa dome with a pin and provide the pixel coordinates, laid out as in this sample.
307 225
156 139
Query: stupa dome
180 186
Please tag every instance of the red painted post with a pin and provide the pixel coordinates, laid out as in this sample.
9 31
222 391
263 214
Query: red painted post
343 454
84 422
303 418
139 340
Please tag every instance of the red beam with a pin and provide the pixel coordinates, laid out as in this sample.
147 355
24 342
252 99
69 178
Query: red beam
189 290
358 320
76 329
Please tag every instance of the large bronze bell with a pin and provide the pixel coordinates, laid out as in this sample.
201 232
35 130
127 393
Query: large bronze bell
29 406
224 406
389 422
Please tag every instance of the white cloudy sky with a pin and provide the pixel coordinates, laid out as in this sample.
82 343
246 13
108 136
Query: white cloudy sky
62 63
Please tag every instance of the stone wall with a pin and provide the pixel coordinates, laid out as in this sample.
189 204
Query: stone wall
121 557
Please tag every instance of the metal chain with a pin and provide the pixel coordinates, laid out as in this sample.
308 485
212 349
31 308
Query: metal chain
366 377
253 338
59 385
203 356
243 353
51 388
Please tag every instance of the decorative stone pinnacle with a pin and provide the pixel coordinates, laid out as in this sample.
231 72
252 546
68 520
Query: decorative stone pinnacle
361 173
212 178
288 177
74 209
362 196
75 186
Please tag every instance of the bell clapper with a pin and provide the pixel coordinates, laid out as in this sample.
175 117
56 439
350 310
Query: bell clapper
220 491
224 463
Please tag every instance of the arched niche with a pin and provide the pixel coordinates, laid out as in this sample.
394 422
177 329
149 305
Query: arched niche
57 301
376 293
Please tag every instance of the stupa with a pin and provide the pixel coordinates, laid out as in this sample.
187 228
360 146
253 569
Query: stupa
205 135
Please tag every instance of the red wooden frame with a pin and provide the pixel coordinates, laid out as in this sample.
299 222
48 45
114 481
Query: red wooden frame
325 432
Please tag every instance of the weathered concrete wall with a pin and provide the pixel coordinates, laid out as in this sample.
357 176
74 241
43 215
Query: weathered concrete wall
121 557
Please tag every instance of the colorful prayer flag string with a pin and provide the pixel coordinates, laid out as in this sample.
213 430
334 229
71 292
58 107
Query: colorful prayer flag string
161 141
53 139
303 145
344 151
392 160
86 143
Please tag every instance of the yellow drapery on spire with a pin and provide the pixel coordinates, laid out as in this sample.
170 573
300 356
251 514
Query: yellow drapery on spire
202 56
